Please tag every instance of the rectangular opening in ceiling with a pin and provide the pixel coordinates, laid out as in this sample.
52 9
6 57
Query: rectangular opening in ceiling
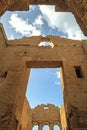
38 21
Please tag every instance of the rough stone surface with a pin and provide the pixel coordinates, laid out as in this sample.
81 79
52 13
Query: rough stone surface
46 114
63 118
26 119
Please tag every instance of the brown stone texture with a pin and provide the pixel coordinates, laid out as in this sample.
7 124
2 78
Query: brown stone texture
46 114
63 118
4 5
26 119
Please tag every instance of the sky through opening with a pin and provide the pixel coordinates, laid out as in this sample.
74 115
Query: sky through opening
41 20
44 87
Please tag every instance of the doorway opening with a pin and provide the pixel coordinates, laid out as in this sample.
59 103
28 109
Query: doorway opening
44 87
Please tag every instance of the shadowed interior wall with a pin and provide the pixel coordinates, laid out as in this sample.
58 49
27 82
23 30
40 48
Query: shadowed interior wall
26 119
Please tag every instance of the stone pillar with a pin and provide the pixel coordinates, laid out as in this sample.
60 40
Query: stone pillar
3 39
51 126
12 95
74 98
40 126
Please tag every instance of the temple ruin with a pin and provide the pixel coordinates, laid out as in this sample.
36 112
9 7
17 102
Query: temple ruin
18 56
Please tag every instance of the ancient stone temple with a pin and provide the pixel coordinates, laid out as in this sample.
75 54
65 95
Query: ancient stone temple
17 57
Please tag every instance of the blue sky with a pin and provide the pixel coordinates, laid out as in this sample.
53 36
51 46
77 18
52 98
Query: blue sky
47 127
44 84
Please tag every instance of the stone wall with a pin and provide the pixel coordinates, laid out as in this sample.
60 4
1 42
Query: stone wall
26 119
16 59
63 118
11 82
46 114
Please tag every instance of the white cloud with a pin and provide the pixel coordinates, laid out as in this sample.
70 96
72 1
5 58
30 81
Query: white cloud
38 20
64 22
58 74
58 82
11 37
36 33
22 26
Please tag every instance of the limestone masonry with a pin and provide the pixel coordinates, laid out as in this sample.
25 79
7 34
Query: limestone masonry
17 57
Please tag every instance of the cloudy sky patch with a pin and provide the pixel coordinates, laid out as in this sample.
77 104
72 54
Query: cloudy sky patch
38 20
63 21
22 26
42 20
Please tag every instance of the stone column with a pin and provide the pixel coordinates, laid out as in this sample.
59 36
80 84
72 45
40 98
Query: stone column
51 126
12 95
40 126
